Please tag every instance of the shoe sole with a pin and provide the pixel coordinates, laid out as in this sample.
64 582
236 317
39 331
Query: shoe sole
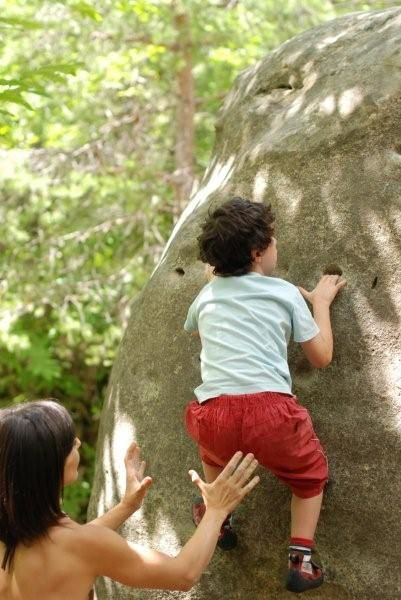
298 585
228 541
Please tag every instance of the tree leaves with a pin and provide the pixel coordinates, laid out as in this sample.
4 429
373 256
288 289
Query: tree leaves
87 10
19 23
14 96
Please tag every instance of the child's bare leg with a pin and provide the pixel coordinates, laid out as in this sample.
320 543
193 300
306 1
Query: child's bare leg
304 516
303 573
211 473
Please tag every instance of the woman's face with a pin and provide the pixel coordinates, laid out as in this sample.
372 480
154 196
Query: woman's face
71 463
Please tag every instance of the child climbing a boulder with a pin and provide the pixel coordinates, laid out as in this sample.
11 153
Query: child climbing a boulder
245 318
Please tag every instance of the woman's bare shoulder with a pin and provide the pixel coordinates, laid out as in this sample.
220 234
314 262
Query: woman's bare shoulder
78 538
86 541
98 549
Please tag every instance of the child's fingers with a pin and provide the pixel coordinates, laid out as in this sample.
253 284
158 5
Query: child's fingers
304 292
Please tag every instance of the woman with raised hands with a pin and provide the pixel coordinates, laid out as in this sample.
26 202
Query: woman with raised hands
45 554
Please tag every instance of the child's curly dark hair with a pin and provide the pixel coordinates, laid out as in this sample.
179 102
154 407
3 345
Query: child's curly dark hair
230 234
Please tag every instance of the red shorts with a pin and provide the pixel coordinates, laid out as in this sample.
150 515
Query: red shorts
273 426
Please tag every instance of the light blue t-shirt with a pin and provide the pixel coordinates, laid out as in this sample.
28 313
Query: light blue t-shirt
245 324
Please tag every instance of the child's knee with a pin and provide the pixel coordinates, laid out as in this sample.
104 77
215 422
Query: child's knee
209 458
313 481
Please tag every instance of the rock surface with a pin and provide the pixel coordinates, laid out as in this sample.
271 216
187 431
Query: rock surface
315 130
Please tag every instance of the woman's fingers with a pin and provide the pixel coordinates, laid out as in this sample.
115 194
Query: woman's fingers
239 490
244 470
132 453
250 485
237 473
133 465
141 470
238 469
193 475
230 467
196 479
232 485
129 451
146 483
249 470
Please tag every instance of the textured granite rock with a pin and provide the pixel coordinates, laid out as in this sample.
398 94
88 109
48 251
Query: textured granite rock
315 130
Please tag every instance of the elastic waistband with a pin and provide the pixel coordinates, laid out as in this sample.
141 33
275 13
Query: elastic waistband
257 398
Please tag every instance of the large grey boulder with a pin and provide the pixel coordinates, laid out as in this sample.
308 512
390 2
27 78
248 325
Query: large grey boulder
315 130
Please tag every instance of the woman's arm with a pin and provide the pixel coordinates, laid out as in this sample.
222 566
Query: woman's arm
109 555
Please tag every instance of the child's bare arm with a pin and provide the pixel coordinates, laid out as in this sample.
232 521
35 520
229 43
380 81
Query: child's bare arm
319 350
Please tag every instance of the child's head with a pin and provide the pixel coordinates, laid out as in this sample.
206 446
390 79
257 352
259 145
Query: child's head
235 235
37 454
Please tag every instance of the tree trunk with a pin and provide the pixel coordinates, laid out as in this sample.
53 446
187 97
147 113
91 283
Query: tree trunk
184 149
313 129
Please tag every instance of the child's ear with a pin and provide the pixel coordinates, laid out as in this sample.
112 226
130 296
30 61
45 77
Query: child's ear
255 255
209 272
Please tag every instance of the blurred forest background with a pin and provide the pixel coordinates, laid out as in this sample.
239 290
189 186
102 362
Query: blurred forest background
107 113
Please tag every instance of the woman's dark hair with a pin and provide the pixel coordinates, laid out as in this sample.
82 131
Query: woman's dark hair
35 440
230 234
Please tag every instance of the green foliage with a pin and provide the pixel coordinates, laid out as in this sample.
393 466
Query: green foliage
88 106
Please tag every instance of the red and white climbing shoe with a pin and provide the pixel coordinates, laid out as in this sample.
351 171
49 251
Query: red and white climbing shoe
303 573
